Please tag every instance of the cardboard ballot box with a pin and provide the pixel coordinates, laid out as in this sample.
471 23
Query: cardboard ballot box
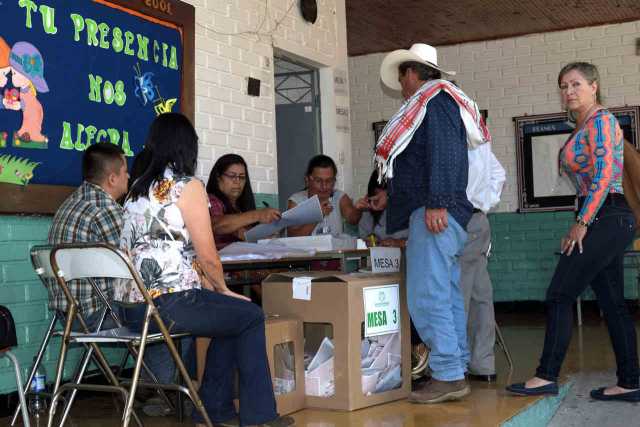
285 354
356 331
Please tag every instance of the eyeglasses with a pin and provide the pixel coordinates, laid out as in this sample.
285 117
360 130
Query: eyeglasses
234 177
329 182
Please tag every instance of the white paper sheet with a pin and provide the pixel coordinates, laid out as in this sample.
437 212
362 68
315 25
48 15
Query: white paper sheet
307 212
243 251
302 288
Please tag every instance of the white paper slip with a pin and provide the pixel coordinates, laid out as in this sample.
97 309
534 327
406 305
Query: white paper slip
302 288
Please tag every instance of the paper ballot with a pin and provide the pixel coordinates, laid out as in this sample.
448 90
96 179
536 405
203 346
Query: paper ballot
307 212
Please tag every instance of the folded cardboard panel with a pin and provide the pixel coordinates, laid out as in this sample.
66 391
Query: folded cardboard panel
284 350
337 299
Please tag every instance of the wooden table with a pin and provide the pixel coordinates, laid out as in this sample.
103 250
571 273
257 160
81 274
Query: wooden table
253 271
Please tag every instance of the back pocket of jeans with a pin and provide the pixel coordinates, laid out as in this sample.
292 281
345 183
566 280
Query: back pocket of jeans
627 222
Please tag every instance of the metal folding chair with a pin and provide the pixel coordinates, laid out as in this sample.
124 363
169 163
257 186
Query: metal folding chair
8 339
500 342
80 261
22 406
40 260
42 266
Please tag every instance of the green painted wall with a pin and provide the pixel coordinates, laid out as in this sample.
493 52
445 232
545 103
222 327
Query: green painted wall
26 297
521 266
524 255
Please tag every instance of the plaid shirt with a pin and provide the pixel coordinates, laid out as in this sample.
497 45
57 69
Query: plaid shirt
88 215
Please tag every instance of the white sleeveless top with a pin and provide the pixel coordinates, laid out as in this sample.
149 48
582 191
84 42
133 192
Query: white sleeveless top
333 221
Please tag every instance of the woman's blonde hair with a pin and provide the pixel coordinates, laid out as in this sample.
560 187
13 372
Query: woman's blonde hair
588 71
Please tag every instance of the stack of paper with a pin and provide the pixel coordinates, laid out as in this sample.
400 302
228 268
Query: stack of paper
318 376
320 242
242 251
284 380
381 363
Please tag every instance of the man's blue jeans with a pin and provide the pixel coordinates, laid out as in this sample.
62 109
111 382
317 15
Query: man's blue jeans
434 296
238 345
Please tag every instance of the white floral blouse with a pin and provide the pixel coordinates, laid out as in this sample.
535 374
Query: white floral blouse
158 242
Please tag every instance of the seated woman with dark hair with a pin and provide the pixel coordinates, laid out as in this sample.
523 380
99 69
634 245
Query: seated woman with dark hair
141 162
374 221
167 232
233 208
320 180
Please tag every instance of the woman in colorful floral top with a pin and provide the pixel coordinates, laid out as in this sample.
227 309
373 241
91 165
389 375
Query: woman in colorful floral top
167 232
593 249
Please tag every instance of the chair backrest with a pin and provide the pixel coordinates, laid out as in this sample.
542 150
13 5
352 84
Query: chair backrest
7 329
40 260
90 260
71 261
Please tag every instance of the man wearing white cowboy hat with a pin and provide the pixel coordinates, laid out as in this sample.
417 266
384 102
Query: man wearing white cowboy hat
422 152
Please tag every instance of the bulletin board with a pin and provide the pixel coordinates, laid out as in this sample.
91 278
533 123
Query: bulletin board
77 72
539 138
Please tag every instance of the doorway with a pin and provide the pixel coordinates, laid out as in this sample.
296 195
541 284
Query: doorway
298 135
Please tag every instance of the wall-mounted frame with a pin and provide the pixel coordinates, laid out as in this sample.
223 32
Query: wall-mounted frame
538 140
377 130
99 71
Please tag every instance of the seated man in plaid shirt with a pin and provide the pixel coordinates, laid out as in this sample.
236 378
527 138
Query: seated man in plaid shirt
91 214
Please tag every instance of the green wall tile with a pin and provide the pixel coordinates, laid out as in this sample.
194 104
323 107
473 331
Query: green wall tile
522 263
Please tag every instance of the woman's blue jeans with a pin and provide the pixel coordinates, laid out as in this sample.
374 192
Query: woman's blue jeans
601 266
238 345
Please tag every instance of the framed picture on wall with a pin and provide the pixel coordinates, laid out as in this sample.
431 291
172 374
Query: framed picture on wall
539 138
377 130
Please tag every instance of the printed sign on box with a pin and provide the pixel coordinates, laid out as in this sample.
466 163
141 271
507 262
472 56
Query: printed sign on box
381 310
385 260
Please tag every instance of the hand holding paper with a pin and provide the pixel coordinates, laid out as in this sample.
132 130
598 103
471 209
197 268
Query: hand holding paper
307 212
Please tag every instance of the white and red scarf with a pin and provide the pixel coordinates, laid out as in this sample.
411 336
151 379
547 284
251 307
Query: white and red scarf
399 130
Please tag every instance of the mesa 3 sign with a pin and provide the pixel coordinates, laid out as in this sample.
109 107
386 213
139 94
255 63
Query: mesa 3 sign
381 310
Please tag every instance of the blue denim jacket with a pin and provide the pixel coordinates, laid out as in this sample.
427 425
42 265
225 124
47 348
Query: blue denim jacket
433 170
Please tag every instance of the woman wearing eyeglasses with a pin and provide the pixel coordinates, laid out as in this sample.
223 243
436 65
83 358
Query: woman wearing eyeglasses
320 180
233 208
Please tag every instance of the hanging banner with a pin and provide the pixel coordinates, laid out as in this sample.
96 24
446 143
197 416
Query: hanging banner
76 73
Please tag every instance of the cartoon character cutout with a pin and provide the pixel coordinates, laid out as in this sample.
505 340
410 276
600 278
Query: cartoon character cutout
5 67
27 68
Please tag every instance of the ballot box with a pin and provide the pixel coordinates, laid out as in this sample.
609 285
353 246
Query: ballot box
356 335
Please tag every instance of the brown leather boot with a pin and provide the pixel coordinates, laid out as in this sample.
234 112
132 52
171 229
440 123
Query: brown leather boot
436 391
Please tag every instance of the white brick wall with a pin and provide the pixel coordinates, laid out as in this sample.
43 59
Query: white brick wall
509 77
227 119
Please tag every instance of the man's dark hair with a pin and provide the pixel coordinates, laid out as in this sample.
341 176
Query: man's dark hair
172 142
246 201
423 71
99 160
321 161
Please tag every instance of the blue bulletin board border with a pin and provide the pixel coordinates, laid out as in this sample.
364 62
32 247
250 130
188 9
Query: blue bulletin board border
45 199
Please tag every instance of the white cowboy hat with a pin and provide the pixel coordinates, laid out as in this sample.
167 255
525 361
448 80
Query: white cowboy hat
419 52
